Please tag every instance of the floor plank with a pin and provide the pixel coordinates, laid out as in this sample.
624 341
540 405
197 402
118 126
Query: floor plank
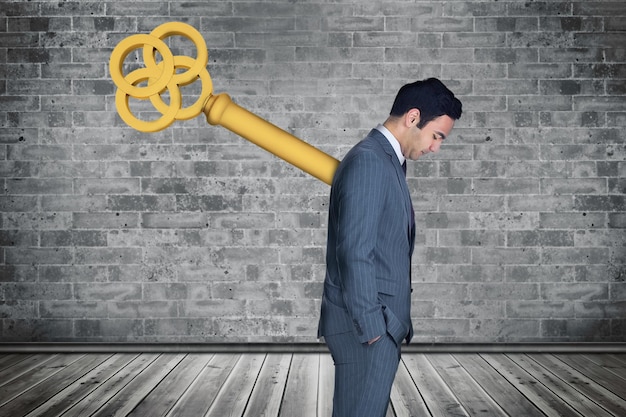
512 401
283 384
438 397
198 398
20 383
326 386
609 363
40 392
21 365
300 397
585 385
524 381
234 394
268 390
126 399
109 388
406 399
79 389
161 399
561 388
10 360
469 393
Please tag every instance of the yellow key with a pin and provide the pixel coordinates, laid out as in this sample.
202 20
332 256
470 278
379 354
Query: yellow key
155 79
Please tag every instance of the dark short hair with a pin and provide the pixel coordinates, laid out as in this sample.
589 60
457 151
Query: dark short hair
431 97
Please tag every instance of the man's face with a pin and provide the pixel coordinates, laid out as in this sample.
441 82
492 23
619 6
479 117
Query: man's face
429 138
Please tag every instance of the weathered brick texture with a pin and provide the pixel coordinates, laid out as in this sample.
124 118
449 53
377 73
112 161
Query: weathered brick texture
195 235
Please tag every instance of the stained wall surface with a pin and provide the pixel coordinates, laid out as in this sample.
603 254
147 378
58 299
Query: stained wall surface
193 234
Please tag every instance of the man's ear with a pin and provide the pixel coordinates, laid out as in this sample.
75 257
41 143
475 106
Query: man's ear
413 117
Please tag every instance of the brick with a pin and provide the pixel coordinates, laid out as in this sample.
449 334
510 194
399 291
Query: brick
599 203
174 220
598 104
500 186
474 40
36 221
14 204
540 238
555 39
540 70
72 273
580 256
539 309
114 256
506 55
506 87
471 204
541 8
40 152
617 291
90 330
541 273
617 220
73 309
506 152
540 103
176 327
573 186
108 291
67 203
474 9
36 329
464 273
473 309
589 54
577 329
503 329
571 24
595 310
599 8
18 39
19 103
607 40
58 238
105 220
505 256
506 24
18 309
442 329
104 24
477 71
214 308
572 220
37 291
20 255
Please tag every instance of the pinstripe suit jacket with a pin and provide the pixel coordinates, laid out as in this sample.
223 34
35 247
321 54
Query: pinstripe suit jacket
367 288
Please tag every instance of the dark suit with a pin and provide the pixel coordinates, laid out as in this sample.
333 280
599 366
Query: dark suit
367 289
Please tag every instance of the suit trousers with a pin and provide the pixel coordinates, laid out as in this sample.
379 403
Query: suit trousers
364 374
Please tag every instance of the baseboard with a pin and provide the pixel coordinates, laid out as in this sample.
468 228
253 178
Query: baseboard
306 347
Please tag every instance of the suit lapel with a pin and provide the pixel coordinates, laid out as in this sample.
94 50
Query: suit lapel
401 176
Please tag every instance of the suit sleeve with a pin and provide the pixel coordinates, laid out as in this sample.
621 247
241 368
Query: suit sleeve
361 200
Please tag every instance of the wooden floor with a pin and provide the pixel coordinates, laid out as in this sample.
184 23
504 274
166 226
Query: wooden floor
300 384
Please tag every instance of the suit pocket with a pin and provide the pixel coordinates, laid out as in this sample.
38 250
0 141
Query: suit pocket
334 319
395 328
386 286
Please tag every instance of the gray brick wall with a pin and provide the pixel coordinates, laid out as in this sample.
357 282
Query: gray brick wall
195 235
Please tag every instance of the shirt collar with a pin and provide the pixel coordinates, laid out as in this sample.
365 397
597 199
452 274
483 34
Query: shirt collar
393 141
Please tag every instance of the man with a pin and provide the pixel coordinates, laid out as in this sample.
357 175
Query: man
366 304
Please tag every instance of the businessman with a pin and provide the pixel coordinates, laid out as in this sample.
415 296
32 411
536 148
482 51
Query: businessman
366 303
